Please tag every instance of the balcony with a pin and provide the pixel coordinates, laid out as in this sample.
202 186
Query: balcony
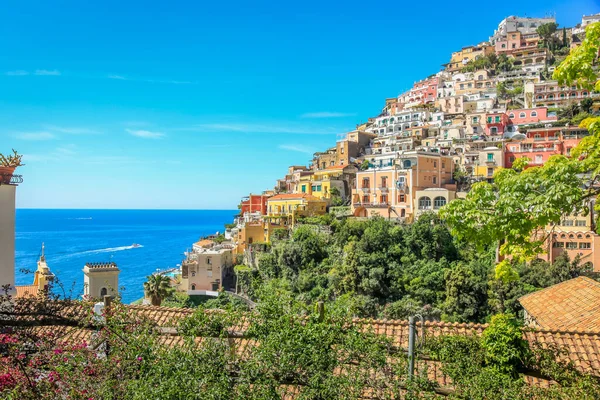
383 189
365 188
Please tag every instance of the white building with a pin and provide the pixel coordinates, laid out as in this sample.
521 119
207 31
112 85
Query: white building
525 25
585 21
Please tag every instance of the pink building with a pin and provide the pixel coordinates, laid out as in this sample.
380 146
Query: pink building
424 91
496 123
526 116
543 143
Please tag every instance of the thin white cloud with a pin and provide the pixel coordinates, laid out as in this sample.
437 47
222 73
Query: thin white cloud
68 149
145 134
279 128
327 114
71 130
47 72
147 80
295 147
35 136
19 72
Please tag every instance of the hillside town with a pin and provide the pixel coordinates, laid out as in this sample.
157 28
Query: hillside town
346 281
493 103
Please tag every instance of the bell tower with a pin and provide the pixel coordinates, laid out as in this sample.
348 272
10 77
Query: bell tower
43 276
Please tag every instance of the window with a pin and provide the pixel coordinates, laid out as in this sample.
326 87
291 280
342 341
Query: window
475 120
580 222
490 157
383 199
503 45
193 286
401 198
511 159
384 181
490 172
424 203
332 163
571 245
522 115
493 130
489 120
443 165
435 164
365 198
208 261
585 245
511 115
497 119
585 94
406 163
365 183
567 222
303 191
439 202
538 159
534 114
474 129
558 244
103 292
435 179
342 150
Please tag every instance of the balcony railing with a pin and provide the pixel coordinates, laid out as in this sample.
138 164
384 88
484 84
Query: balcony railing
10 179
372 205
383 188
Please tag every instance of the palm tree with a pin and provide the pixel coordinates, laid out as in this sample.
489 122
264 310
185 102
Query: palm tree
157 287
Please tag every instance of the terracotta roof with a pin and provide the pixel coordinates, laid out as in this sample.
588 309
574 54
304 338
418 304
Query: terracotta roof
572 305
293 196
26 291
204 243
580 348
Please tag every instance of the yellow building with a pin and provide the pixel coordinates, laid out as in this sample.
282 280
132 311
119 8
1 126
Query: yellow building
320 183
490 160
292 205
461 58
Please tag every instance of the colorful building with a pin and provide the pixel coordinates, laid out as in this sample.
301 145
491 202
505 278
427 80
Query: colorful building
470 53
206 267
293 205
320 183
542 143
387 186
254 203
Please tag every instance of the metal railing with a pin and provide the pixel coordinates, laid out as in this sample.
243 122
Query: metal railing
10 179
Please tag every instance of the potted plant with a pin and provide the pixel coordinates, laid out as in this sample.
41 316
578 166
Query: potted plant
8 164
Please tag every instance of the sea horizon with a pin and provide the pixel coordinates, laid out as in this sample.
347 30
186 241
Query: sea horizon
73 237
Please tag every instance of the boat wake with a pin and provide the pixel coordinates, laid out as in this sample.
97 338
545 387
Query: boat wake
110 249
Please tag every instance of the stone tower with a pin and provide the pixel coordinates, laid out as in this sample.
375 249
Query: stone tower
100 279
43 276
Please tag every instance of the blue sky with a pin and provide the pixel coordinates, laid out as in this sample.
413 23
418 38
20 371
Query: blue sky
193 105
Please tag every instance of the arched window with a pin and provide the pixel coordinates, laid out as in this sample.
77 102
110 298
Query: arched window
103 292
534 114
424 203
522 115
587 236
551 97
511 115
494 130
540 97
193 286
439 202
406 163
585 94
580 236
573 94
563 236
562 95
571 236
193 274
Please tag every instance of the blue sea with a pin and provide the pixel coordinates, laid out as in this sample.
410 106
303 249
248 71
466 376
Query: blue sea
74 237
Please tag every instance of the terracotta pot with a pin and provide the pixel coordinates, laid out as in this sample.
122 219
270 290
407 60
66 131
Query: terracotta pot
6 174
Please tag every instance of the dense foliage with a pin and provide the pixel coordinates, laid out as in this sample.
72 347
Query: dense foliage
389 270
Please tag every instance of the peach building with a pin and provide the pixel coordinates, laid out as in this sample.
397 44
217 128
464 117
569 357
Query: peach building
386 188
576 236
206 267
470 53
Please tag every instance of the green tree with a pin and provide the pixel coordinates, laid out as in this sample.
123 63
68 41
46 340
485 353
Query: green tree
546 32
157 287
